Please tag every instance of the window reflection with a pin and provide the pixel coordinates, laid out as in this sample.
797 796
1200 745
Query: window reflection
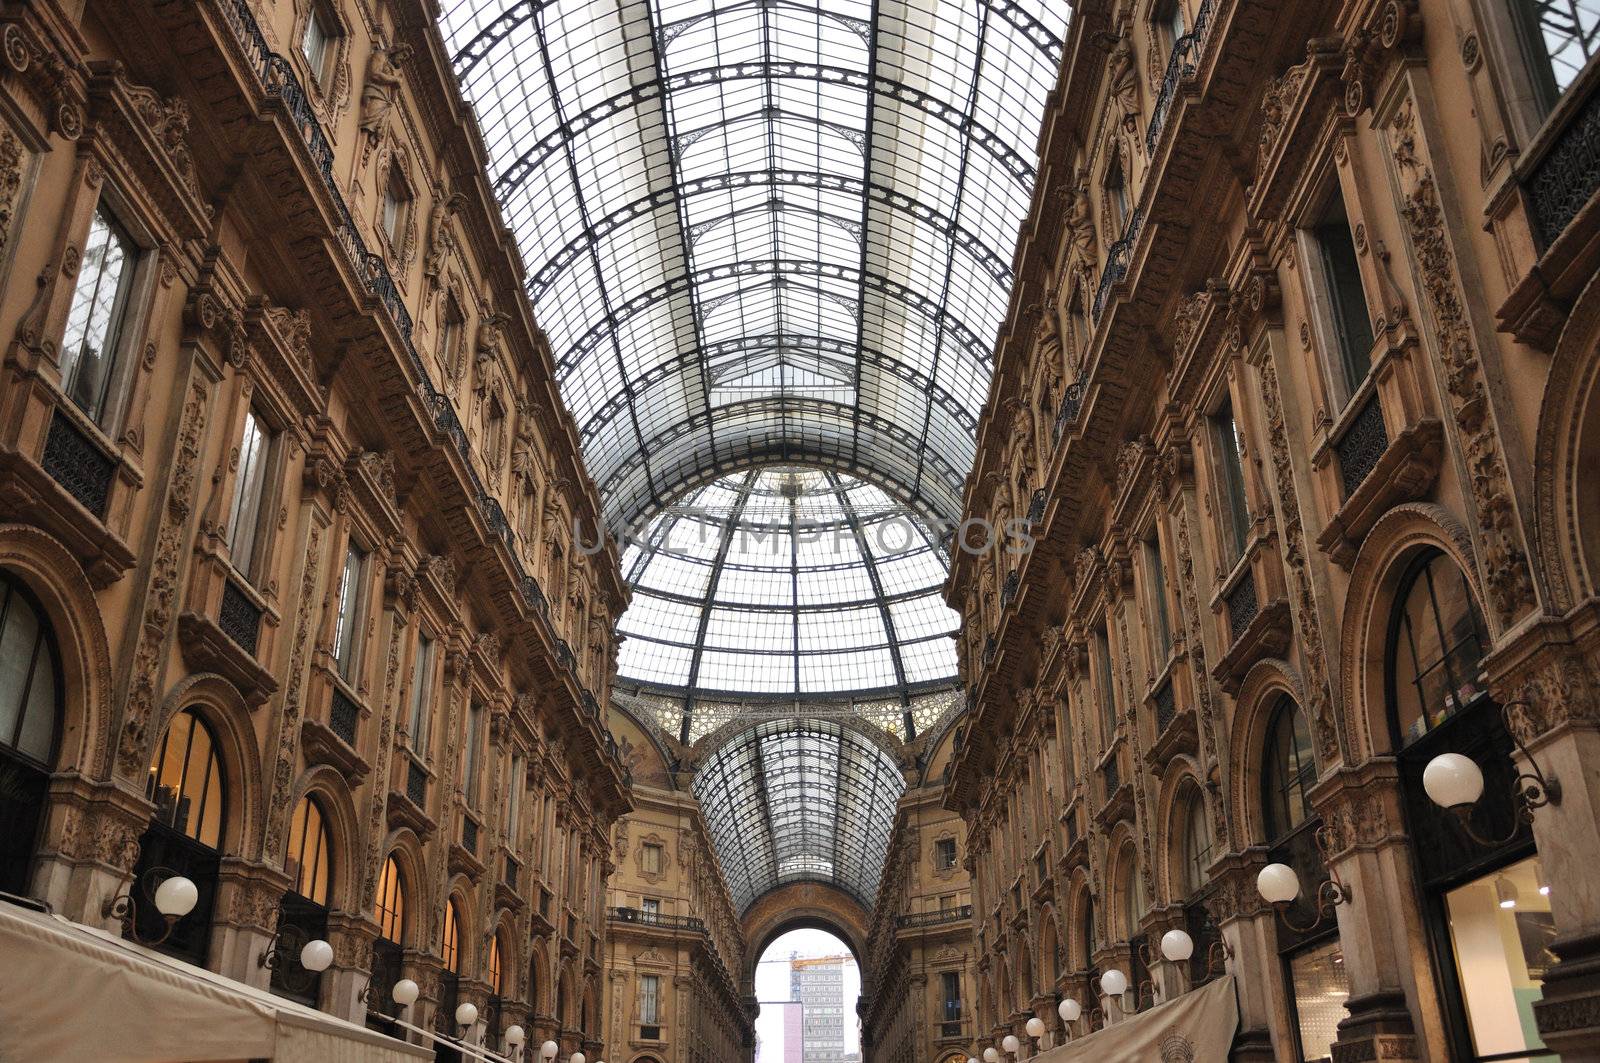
1501 929
1320 991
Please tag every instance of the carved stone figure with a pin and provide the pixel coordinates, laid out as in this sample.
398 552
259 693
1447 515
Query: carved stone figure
378 95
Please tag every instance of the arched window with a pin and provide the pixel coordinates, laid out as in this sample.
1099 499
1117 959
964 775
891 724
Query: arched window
450 949
391 903
186 781
1131 894
310 853
30 721
1194 852
1436 647
1086 932
1288 771
496 988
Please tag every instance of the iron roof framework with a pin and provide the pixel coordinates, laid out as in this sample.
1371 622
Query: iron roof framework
764 229
800 800
787 583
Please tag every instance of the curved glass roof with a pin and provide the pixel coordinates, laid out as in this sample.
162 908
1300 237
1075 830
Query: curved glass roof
765 229
800 800
787 582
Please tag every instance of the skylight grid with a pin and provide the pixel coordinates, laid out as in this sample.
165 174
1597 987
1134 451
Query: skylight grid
645 107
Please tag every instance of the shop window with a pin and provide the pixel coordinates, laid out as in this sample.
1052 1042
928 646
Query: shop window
188 787
1320 988
391 903
98 316
1288 771
1436 649
30 721
246 516
1500 933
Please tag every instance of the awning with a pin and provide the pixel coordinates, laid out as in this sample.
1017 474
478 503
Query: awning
69 991
1197 1027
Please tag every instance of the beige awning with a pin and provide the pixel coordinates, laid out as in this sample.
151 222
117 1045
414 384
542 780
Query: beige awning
68 991
1197 1027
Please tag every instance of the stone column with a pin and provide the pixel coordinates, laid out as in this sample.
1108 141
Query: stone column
1246 924
245 919
348 978
88 847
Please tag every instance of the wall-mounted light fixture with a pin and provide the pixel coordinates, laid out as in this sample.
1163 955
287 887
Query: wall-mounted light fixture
293 943
172 895
1455 782
1280 887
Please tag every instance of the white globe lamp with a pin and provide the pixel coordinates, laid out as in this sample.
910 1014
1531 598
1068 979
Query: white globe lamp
1177 946
1453 780
1069 1010
1035 1027
548 1050
515 1035
316 956
1114 983
404 992
176 897
466 1014
1010 1043
991 1055
1278 884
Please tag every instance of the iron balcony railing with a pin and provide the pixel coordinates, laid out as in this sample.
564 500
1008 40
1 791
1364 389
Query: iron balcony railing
278 79
1183 61
962 914
669 922
1117 260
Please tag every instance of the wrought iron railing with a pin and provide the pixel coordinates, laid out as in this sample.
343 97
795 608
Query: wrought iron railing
239 617
279 81
1242 605
1113 777
1117 260
78 463
469 834
1036 506
1166 707
1071 403
343 716
1361 446
1568 175
940 917
416 783
1183 61
1008 591
670 922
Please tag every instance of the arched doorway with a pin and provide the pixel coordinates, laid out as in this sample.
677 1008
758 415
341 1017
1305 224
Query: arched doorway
807 983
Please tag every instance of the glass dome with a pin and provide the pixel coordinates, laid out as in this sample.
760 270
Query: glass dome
789 583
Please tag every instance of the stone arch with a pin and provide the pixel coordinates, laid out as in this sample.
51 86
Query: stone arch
1080 895
1566 443
1180 773
218 703
802 906
469 961
1051 961
1393 543
504 926
56 579
332 792
538 975
1263 685
1122 882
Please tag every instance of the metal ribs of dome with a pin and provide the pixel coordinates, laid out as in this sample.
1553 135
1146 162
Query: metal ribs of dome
764 229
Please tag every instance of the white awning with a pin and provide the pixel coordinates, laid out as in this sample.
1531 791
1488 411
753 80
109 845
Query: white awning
69 991
1197 1026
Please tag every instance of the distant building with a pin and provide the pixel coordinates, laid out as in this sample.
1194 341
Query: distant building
818 984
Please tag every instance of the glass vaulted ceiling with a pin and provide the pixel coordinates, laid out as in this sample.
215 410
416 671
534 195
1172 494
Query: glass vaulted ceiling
786 583
764 229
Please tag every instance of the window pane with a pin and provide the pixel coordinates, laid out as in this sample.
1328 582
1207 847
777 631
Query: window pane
421 681
1341 281
1230 451
89 347
245 519
1501 929
345 630
1320 990
1569 31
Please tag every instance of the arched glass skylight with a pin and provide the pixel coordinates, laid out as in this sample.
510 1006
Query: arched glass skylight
787 582
765 229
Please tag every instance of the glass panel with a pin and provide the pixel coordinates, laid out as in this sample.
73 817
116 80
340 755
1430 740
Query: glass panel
1570 33
1501 930
1230 452
649 993
1320 991
449 950
28 710
308 859
1438 645
186 781
421 691
391 902
94 321
1288 772
245 518
347 626
1341 282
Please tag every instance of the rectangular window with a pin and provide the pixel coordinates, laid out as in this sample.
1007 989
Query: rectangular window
473 754
347 632
315 46
244 521
396 199
1230 458
1116 187
450 337
1160 621
421 695
651 907
98 313
952 996
944 853
1500 931
649 999
514 803
1320 991
1108 690
1172 22
651 856
1339 281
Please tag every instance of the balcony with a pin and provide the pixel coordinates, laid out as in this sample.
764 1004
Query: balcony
941 917
637 917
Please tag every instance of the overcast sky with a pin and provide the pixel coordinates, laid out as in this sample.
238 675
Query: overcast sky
772 984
